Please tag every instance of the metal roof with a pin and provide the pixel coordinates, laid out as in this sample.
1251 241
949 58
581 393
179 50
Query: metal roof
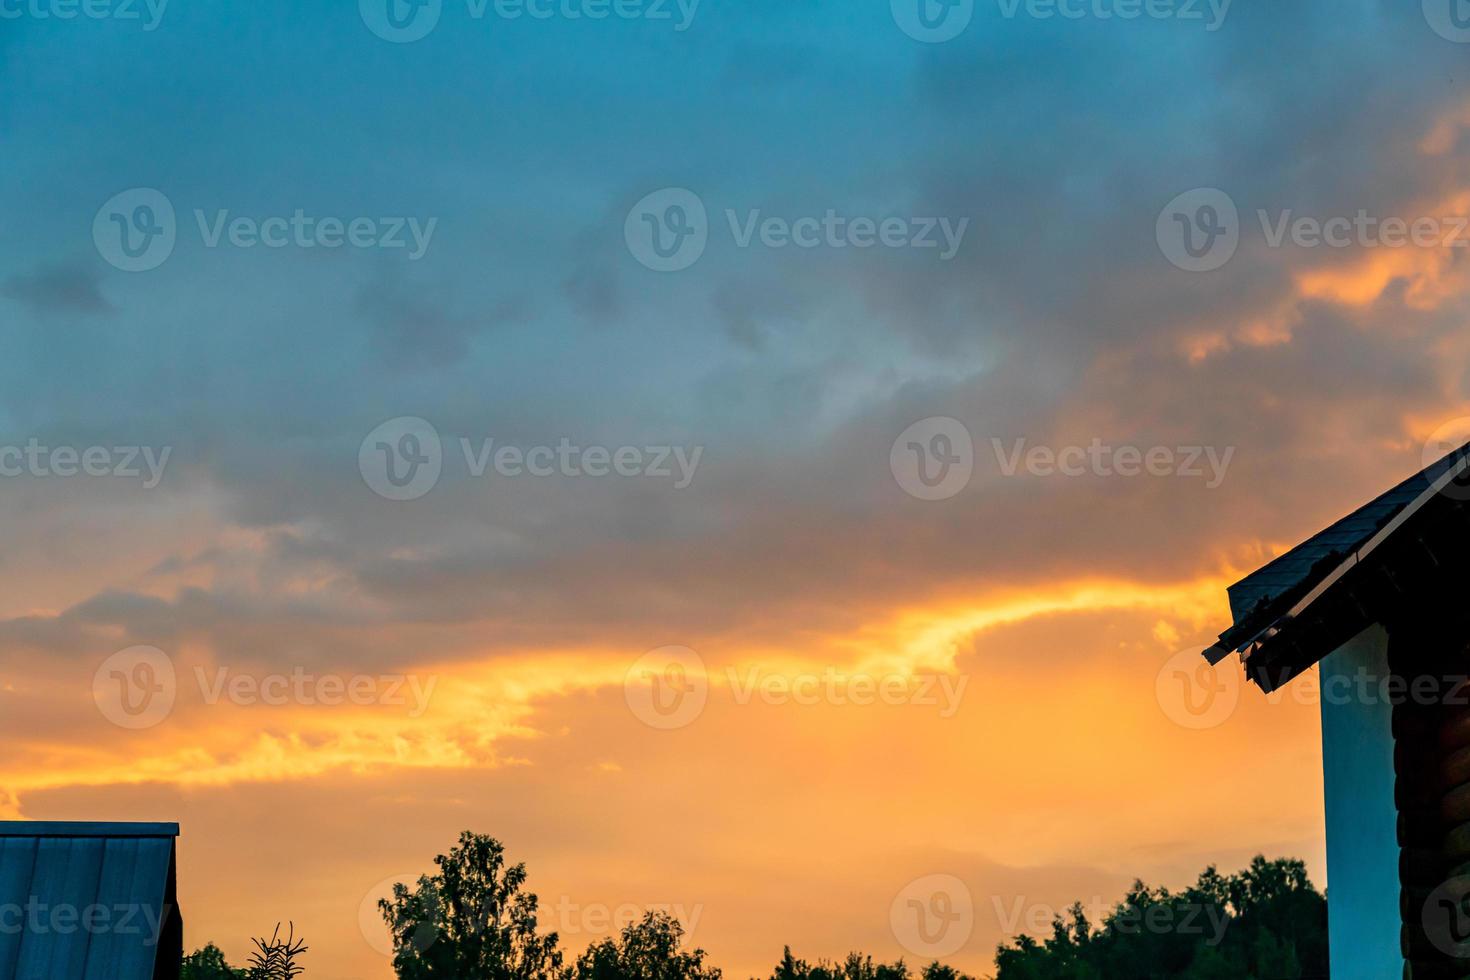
88 901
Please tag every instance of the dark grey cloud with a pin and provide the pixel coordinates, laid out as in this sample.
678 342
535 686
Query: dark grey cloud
415 326
67 288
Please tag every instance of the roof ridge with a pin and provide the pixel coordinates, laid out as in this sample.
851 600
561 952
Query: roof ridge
80 828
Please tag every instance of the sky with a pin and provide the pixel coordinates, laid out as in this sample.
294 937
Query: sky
772 462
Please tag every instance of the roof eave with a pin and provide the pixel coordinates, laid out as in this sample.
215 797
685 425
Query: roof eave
1256 639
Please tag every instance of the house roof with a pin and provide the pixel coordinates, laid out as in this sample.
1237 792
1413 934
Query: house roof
88 901
1287 593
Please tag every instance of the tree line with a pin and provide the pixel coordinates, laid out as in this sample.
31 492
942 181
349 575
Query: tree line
474 919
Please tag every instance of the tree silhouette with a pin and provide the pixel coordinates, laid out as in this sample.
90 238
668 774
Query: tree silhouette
208 963
275 958
473 920
470 921
855 967
650 949
1266 923
940 971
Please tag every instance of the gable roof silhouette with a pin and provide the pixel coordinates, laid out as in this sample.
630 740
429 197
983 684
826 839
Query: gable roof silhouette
1296 609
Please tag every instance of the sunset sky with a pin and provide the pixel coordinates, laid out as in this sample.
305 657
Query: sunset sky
892 680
